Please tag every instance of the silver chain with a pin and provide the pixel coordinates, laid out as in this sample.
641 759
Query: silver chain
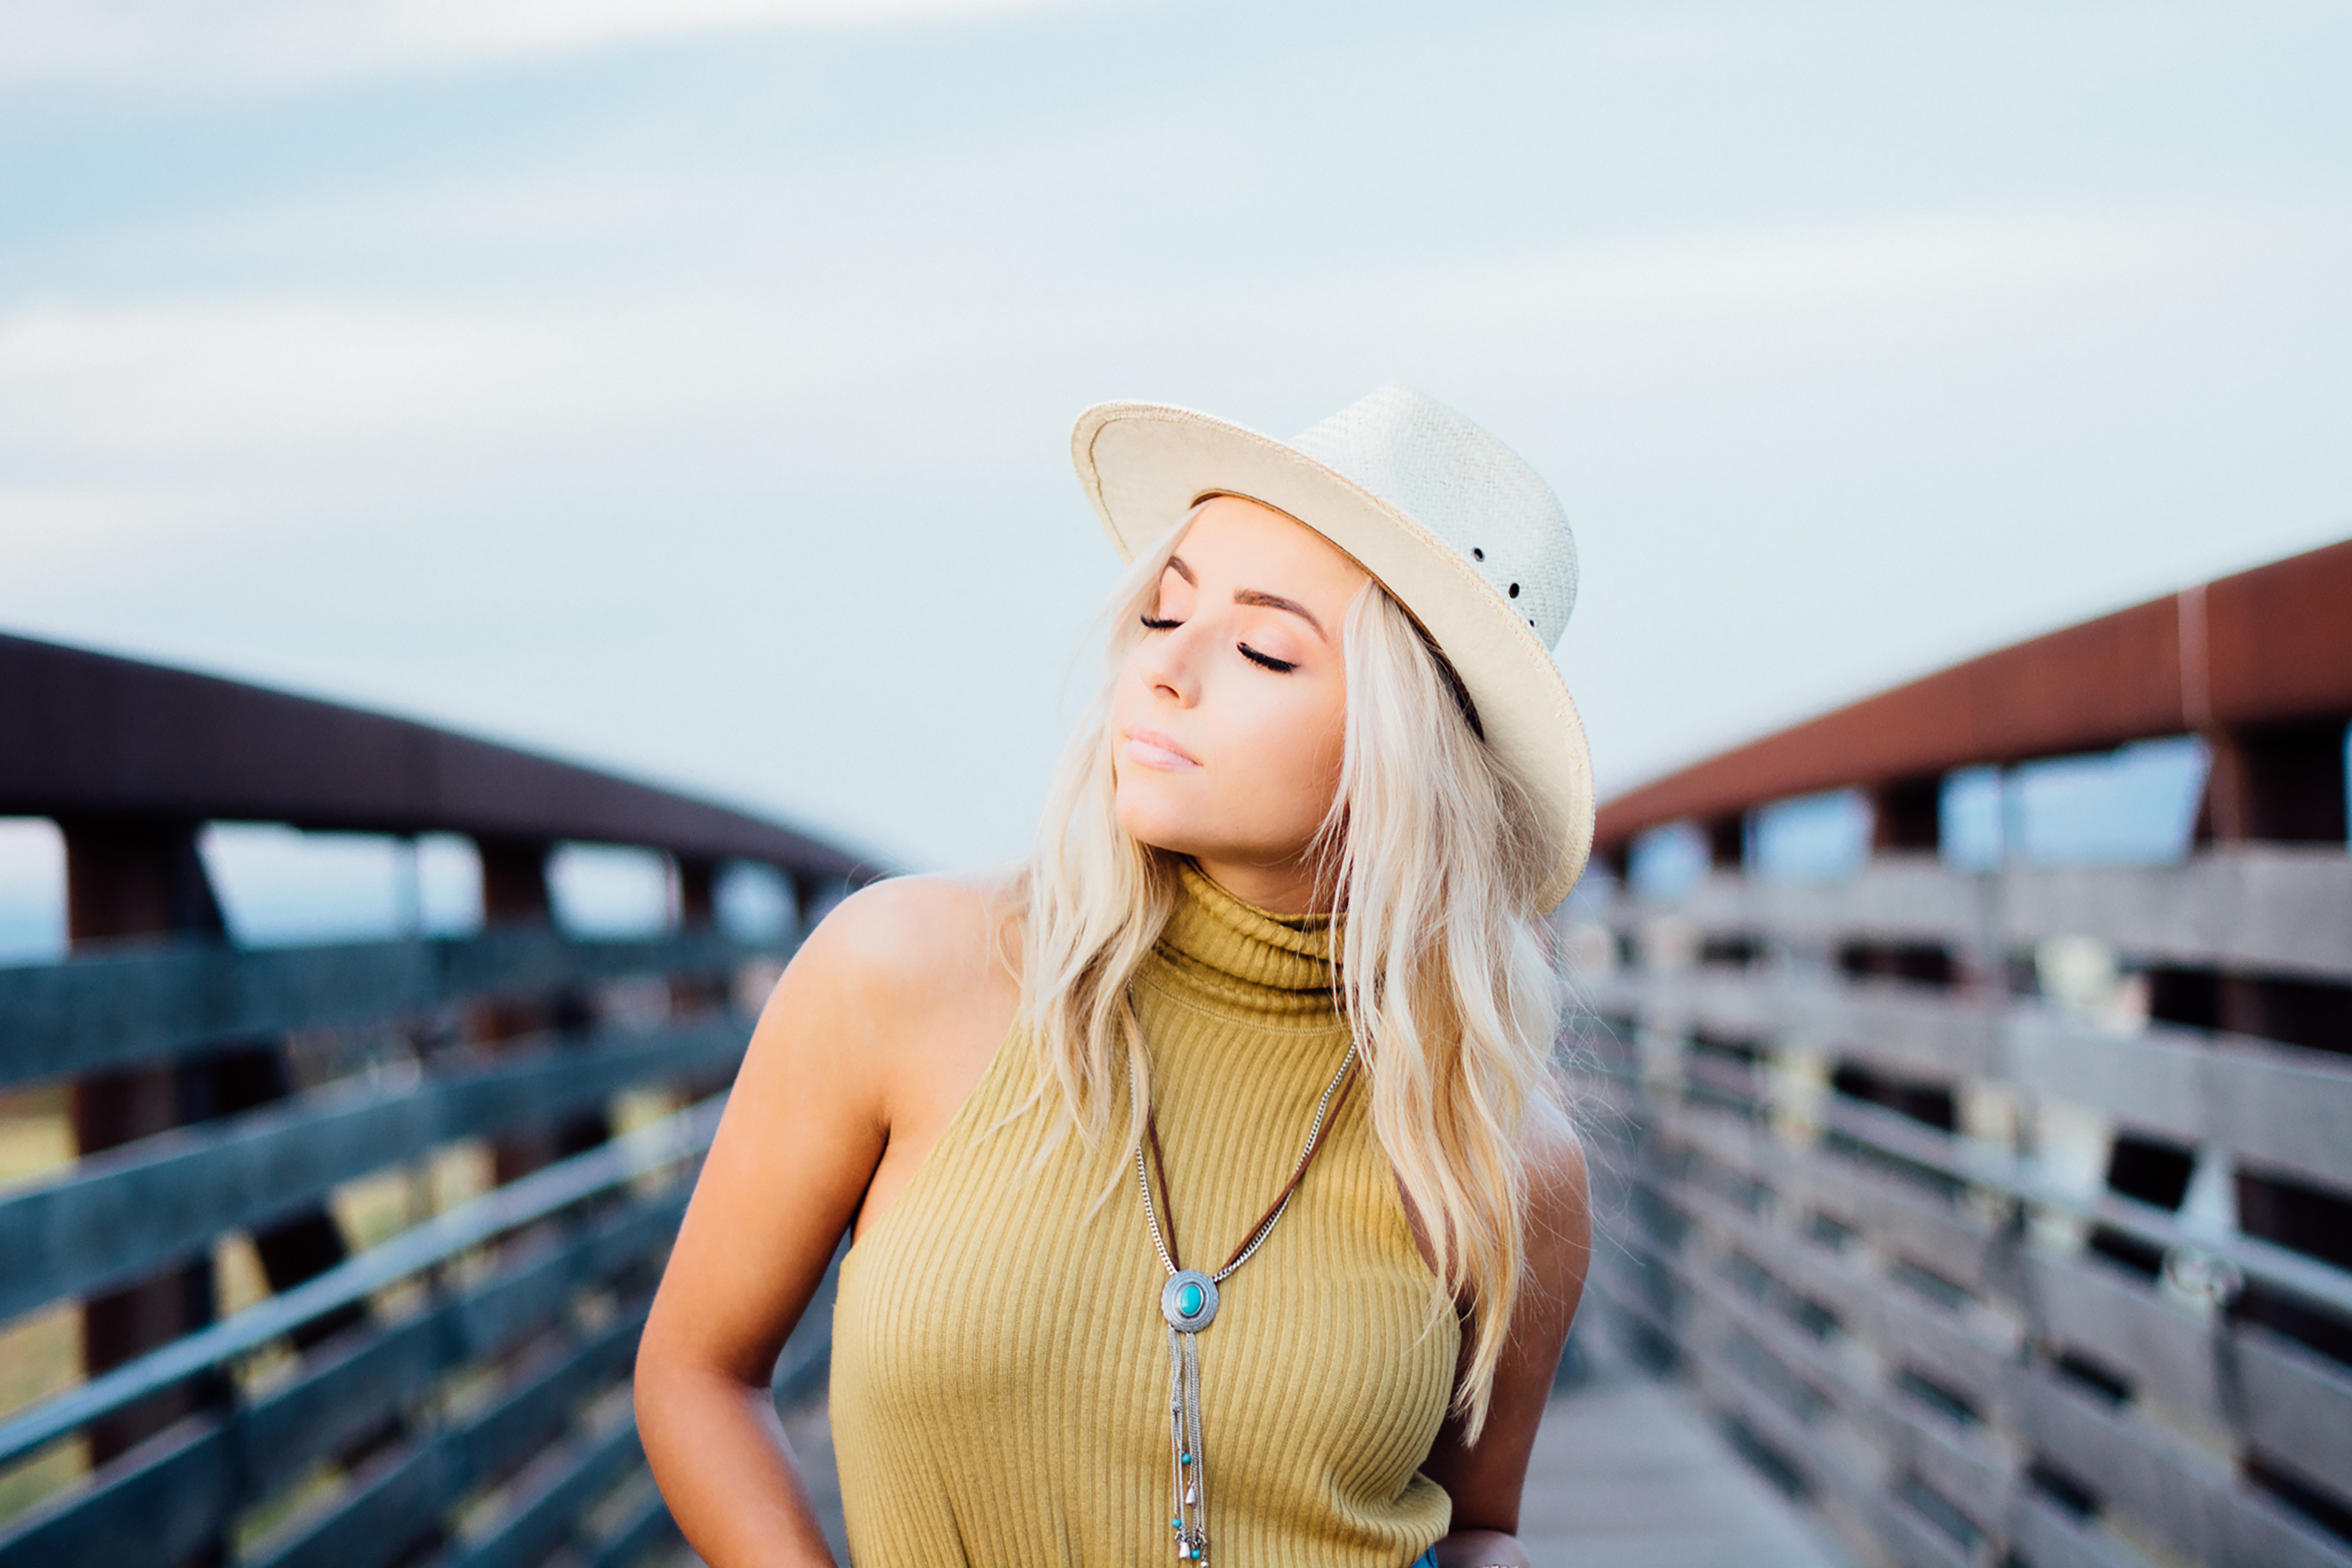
1314 1135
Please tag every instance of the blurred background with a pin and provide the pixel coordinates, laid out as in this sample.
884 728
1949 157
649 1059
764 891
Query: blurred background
683 387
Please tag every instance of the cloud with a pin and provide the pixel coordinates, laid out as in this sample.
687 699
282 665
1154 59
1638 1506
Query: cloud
223 376
1899 254
184 43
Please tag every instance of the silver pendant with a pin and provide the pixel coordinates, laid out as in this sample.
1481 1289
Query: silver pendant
1189 1300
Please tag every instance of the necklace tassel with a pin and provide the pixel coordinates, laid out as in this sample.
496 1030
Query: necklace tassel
1191 1520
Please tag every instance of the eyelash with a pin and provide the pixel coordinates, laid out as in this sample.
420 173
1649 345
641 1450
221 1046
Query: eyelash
1279 665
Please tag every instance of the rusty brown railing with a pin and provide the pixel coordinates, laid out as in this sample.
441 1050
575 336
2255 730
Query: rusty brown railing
2005 1215
447 1380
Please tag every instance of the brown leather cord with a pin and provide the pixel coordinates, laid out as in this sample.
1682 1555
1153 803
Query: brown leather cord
1168 1198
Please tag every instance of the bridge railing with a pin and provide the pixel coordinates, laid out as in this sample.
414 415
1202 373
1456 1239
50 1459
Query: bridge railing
1987 1271
446 1385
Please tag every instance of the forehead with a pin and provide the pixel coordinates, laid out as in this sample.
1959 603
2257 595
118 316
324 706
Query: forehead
1248 546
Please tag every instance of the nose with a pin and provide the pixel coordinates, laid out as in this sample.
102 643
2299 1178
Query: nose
1169 662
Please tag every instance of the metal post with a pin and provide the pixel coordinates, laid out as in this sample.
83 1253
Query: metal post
126 882
515 894
130 880
1908 814
1726 843
2281 784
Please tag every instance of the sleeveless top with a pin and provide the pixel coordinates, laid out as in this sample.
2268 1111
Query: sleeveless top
1000 1363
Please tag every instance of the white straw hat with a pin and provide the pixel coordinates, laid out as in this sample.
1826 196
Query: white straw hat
1454 523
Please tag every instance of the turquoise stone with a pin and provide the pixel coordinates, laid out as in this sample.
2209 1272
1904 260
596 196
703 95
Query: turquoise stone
1191 1300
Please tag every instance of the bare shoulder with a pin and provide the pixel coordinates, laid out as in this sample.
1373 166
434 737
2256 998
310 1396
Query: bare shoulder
899 980
915 940
1559 1189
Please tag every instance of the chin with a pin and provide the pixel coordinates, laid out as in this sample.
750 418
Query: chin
1156 822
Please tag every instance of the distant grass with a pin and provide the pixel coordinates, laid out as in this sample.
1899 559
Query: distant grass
35 1133
40 1355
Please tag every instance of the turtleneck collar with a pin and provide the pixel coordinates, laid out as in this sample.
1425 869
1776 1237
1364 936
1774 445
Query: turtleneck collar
1243 956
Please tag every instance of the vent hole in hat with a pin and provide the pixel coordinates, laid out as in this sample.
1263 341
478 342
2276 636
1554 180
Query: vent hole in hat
1476 554
1515 590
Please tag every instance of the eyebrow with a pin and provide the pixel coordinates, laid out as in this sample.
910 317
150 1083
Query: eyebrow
1254 596
1276 602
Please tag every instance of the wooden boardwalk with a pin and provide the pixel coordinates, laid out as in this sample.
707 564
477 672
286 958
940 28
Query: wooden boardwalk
1627 1474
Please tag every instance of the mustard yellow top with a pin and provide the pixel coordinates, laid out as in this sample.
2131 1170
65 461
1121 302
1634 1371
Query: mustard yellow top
1000 1362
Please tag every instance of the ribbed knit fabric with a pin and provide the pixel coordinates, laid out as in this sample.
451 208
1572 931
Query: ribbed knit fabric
1000 1362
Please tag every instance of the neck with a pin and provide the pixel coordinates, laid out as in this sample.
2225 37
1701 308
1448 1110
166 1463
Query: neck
1285 887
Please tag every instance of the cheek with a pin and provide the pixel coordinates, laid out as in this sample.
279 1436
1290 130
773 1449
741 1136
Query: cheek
1292 740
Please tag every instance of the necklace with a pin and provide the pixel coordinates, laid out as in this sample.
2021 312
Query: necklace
1189 1301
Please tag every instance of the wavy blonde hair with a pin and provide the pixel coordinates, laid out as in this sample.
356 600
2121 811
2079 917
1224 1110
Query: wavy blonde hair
1436 853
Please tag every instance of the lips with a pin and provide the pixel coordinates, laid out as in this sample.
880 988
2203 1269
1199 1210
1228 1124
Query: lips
1150 749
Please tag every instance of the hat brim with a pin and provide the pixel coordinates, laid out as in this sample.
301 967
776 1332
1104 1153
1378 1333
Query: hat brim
1145 465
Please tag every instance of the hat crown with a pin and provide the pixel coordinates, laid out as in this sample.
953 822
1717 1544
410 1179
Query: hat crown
1478 498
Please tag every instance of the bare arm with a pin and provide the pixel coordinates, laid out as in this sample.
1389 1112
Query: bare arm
1486 1480
871 1040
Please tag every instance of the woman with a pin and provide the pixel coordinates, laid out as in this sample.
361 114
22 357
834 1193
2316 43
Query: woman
1190 1220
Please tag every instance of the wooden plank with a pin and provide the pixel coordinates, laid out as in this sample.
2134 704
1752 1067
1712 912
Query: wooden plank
551 1515
2156 1080
1927 1229
2097 1307
188 1481
396 1505
1894 898
125 1212
501 1437
2272 909
1849 1387
156 1503
1812 1181
2047 1537
2176 1493
1967 1466
2279 1105
1851 1294
626 1162
404 1500
2266 1534
1916 1542
1917 1333
2280 1108
104 1010
1943 1035
1830 1468
2297 1409
648 1525
350 1393
2023 1179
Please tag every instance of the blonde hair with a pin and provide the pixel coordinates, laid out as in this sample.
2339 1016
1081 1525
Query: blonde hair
1436 853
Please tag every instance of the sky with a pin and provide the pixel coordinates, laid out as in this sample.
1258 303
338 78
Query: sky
683 386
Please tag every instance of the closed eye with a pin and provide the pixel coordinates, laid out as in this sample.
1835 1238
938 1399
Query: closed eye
1280 665
1161 626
